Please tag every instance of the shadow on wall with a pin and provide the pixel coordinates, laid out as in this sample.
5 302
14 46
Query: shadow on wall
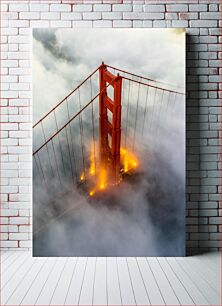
193 171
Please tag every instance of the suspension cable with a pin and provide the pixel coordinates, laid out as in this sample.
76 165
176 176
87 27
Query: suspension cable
146 104
81 136
67 140
93 127
47 148
64 99
76 115
60 146
135 125
40 164
127 113
142 77
57 168
142 83
39 171
73 151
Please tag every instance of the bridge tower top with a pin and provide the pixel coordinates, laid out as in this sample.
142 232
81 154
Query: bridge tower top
110 125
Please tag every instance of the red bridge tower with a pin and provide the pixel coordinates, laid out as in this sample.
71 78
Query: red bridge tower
110 126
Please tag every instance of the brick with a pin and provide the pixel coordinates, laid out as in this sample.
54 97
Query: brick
121 7
19 150
39 7
197 7
203 23
9 126
19 7
180 23
215 236
177 8
208 212
18 220
9 212
8 228
102 7
213 7
112 15
60 7
25 244
51 15
208 15
29 15
154 8
71 16
9 63
18 23
134 15
9 142
171 16
92 15
199 236
137 8
39 23
9 244
60 23
3 220
187 16
24 229
82 8
215 220
122 23
18 236
102 23
82 23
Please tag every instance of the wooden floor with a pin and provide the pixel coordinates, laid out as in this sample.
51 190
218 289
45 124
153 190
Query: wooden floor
110 281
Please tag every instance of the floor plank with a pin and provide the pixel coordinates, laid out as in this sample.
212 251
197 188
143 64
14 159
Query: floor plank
213 279
13 269
181 292
18 294
191 288
62 288
154 293
127 292
213 262
165 287
37 285
86 294
100 284
73 294
4 255
139 288
10 261
110 281
113 285
210 294
47 291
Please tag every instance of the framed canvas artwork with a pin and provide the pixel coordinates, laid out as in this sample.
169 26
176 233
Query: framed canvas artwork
109 142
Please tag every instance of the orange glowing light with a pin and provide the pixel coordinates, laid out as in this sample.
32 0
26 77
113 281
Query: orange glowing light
102 179
92 169
99 177
91 193
82 177
128 160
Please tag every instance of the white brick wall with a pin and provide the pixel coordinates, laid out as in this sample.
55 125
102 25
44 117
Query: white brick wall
201 17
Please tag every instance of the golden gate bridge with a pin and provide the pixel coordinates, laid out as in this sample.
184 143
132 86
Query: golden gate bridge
93 136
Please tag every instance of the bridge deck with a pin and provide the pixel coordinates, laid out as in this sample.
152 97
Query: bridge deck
110 281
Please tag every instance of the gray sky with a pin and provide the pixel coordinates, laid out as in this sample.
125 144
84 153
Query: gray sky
63 57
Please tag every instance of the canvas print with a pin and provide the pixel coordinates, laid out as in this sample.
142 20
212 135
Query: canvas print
108 142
